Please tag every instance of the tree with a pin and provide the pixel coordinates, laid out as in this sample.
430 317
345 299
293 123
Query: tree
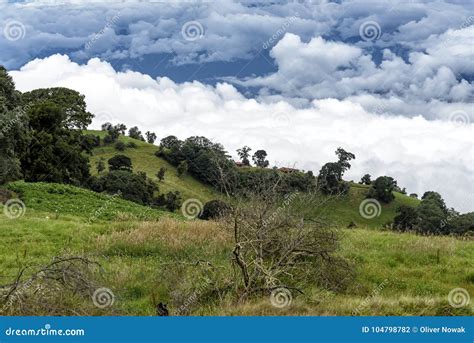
330 179
365 180
215 209
259 158
120 146
100 165
182 168
244 154
55 153
330 175
106 126
433 214
281 243
120 162
171 201
135 133
406 218
161 174
133 187
71 103
150 137
382 189
121 128
170 142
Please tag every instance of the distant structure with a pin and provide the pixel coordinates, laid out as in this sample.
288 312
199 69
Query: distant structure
288 170
239 164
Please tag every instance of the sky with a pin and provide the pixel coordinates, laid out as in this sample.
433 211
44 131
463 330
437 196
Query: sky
390 81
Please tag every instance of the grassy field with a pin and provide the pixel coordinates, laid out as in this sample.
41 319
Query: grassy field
144 159
149 256
155 258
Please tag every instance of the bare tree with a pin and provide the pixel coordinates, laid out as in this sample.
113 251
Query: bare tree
279 241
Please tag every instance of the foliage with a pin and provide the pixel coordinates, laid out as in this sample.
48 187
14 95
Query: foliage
182 168
244 154
382 189
150 137
330 176
135 133
215 209
120 146
161 174
171 201
365 180
406 219
259 158
134 187
120 162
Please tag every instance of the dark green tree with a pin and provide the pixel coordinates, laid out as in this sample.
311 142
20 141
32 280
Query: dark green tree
100 165
135 133
382 189
259 158
244 154
150 137
330 176
365 180
406 218
120 162
161 174
182 168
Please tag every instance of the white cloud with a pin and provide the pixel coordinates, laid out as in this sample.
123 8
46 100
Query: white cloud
422 155
320 68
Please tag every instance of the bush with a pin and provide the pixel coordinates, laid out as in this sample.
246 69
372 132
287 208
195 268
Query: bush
120 146
120 162
214 209
133 187
131 145
382 189
171 201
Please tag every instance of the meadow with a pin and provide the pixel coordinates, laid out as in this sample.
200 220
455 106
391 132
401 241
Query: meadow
149 256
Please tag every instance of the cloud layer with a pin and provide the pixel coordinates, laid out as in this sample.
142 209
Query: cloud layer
421 154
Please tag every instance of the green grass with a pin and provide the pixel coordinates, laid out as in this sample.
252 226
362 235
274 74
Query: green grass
343 210
63 200
144 159
146 260
150 255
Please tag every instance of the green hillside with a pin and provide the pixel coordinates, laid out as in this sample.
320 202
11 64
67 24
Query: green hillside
341 210
144 159
149 256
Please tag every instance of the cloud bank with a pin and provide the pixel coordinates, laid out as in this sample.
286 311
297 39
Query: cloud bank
421 154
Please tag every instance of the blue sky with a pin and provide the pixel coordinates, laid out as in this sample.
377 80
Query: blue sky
391 81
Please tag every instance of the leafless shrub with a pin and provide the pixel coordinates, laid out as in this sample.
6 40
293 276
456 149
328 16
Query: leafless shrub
279 241
53 289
